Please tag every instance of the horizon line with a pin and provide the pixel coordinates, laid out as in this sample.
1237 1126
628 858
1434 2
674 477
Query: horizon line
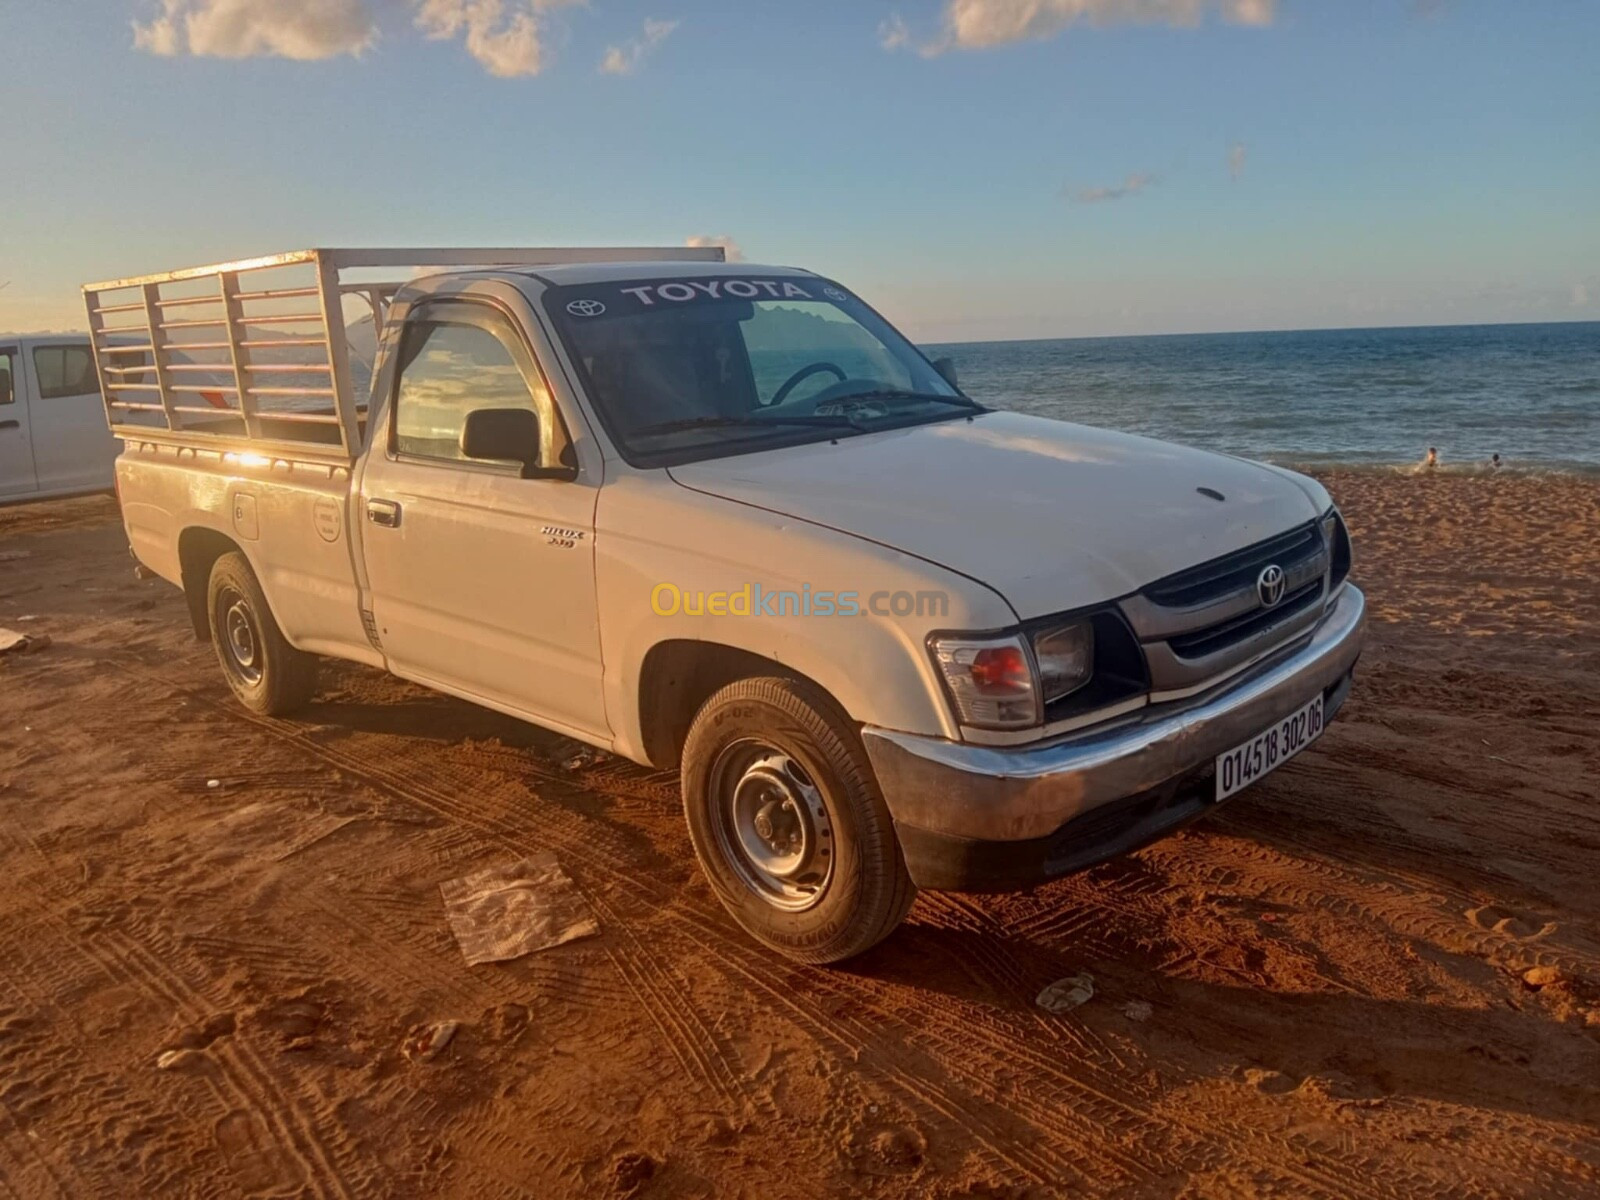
1100 337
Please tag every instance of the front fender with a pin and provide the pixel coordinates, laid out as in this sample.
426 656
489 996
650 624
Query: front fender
656 540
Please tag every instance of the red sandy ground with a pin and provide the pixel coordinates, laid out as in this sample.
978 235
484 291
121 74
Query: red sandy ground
1333 964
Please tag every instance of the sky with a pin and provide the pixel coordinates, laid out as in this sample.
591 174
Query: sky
979 169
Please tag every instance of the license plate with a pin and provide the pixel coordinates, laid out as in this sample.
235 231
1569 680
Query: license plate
1244 764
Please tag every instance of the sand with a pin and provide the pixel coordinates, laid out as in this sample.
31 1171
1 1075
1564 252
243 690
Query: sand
1375 974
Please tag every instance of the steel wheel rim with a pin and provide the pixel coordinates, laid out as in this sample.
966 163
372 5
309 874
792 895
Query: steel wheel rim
772 825
241 638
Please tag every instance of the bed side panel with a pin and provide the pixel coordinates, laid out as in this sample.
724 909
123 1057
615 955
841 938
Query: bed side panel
289 518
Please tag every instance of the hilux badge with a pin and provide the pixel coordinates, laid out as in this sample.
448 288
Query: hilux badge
1269 585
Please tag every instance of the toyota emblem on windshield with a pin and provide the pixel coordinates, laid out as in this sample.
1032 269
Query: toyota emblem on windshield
586 308
1269 585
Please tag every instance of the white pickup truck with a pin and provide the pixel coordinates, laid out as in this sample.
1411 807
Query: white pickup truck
724 518
53 438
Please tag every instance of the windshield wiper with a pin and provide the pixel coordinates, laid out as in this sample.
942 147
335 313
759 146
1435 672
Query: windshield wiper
901 394
823 422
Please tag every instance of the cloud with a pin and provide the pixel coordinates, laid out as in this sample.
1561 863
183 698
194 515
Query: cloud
1236 157
894 33
622 60
729 246
505 36
300 29
1257 13
1131 186
1580 295
981 24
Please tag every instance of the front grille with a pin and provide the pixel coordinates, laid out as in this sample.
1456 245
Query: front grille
1252 624
1221 576
1208 620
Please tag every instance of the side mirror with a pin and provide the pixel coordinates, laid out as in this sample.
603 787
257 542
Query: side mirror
509 435
947 369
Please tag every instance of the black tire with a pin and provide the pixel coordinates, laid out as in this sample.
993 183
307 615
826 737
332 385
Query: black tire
266 673
772 747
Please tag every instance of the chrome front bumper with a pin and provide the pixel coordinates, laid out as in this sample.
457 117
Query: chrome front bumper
945 793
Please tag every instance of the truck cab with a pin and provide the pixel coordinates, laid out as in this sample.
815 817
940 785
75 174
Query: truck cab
725 519
53 435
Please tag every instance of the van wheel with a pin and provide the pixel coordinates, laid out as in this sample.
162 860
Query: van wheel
268 675
788 821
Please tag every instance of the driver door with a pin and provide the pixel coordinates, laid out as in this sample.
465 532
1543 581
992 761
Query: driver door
482 582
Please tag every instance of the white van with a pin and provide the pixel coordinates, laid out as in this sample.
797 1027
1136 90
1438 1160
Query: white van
53 435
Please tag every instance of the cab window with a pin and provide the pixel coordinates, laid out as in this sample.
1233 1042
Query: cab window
64 371
8 376
456 359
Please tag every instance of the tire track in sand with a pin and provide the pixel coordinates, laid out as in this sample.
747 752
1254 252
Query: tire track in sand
706 1058
247 1077
1101 1116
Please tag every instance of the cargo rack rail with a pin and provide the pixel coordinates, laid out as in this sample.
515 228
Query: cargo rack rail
256 355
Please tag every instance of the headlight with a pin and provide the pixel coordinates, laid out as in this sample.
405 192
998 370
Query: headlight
991 681
1066 659
1337 539
1006 682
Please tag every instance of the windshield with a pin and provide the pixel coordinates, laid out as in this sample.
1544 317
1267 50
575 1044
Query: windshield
681 369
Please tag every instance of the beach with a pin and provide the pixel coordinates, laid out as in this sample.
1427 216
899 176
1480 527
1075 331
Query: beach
1376 973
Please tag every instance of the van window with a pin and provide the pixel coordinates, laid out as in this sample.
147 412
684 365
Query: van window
448 369
64 371
8 375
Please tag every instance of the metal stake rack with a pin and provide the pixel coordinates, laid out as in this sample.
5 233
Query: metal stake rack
257 351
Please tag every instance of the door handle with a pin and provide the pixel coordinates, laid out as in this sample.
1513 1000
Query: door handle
384 512
10 424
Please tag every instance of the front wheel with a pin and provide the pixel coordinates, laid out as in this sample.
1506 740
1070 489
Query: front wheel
788 821
266 673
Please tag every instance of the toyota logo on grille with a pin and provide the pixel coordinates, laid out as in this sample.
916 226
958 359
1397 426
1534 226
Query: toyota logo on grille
1270 584
586 308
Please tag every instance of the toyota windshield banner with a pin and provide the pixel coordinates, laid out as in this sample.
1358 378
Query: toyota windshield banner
587 302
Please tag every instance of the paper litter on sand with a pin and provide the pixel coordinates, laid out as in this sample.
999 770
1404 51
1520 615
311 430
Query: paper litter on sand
514 909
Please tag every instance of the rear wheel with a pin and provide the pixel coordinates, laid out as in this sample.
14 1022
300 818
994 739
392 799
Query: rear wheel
788 821
266 673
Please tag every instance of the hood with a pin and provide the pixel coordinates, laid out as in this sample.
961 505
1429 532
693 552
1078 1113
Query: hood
1053 516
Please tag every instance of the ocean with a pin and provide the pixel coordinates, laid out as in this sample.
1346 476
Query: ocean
1347 397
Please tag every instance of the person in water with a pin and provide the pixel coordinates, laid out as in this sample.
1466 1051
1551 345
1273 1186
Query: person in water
1494 463
1432 460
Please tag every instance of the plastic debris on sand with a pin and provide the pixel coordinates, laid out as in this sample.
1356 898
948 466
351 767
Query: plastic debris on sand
513 909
